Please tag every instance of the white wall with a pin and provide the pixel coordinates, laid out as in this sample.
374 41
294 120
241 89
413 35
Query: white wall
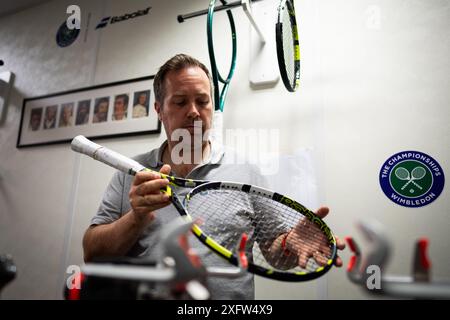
366 94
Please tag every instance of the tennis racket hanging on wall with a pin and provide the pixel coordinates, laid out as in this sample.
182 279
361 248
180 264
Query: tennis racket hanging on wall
218 77
288 47
220 94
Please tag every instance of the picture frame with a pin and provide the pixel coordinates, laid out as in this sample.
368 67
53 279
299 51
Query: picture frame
117 109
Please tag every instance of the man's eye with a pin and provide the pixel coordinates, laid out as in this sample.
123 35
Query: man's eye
179 103
203 103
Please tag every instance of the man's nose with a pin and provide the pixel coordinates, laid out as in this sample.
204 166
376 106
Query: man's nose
193 111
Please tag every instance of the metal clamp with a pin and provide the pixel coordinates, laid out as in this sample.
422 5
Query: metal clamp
177 264
417 286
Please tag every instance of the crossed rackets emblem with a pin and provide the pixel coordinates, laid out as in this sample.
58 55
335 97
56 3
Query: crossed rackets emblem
416 174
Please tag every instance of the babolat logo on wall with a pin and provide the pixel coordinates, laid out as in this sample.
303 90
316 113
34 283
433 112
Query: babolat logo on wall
110 20
412 179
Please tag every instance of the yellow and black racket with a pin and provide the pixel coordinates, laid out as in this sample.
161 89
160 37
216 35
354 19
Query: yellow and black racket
286 241
288 47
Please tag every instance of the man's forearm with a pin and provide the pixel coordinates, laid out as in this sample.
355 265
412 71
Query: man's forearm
113 239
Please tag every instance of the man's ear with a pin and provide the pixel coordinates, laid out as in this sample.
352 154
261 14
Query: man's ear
158 109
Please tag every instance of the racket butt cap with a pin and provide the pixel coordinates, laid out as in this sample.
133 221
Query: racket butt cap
82 145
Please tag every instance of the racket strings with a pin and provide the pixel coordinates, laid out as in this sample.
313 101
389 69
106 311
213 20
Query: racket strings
402 173
312 242
418 173
216 222
288 45
225 214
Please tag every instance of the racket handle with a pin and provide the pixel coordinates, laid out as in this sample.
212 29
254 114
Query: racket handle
85 146
217 127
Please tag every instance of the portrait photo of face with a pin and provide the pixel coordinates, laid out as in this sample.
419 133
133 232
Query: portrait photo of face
101 110
66 115
120 107
35 119
84 108
50 117
141 103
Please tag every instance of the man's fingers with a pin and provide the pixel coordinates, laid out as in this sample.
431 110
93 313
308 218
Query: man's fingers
303 259
155 199
151 187
143 176
325 249
340 244
322 212
338 262
320 258
150 200
165 169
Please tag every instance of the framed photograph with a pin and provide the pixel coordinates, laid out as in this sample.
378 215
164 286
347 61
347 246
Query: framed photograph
104 111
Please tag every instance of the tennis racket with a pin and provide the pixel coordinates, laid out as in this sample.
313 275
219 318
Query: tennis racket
286 241
288 48
220 95
416 174
217 78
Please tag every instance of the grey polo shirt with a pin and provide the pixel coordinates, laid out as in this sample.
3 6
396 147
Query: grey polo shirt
221 166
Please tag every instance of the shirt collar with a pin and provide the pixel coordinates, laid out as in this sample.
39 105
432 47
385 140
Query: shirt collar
215 156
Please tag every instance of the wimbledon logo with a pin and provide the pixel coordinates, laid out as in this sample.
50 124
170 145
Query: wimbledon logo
412 179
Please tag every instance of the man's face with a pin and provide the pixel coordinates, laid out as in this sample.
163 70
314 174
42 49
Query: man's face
83 110
103 107
142 99
187 99
35 121
119 108
51 113
102 110
67 113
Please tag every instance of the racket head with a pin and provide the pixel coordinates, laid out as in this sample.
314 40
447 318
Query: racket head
228 210
402 173
288 47
220 95
418 173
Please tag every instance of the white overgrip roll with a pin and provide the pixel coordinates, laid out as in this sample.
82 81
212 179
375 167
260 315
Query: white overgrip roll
83 145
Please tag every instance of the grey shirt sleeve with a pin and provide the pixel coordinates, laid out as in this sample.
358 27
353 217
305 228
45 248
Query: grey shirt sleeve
111 206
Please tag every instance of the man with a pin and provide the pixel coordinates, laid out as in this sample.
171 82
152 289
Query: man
66 117
120 107
50 117
133 210
140 109
101 110
83 112
35 120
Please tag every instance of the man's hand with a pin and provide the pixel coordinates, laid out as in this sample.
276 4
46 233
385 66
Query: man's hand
322 212
145 193
299 241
